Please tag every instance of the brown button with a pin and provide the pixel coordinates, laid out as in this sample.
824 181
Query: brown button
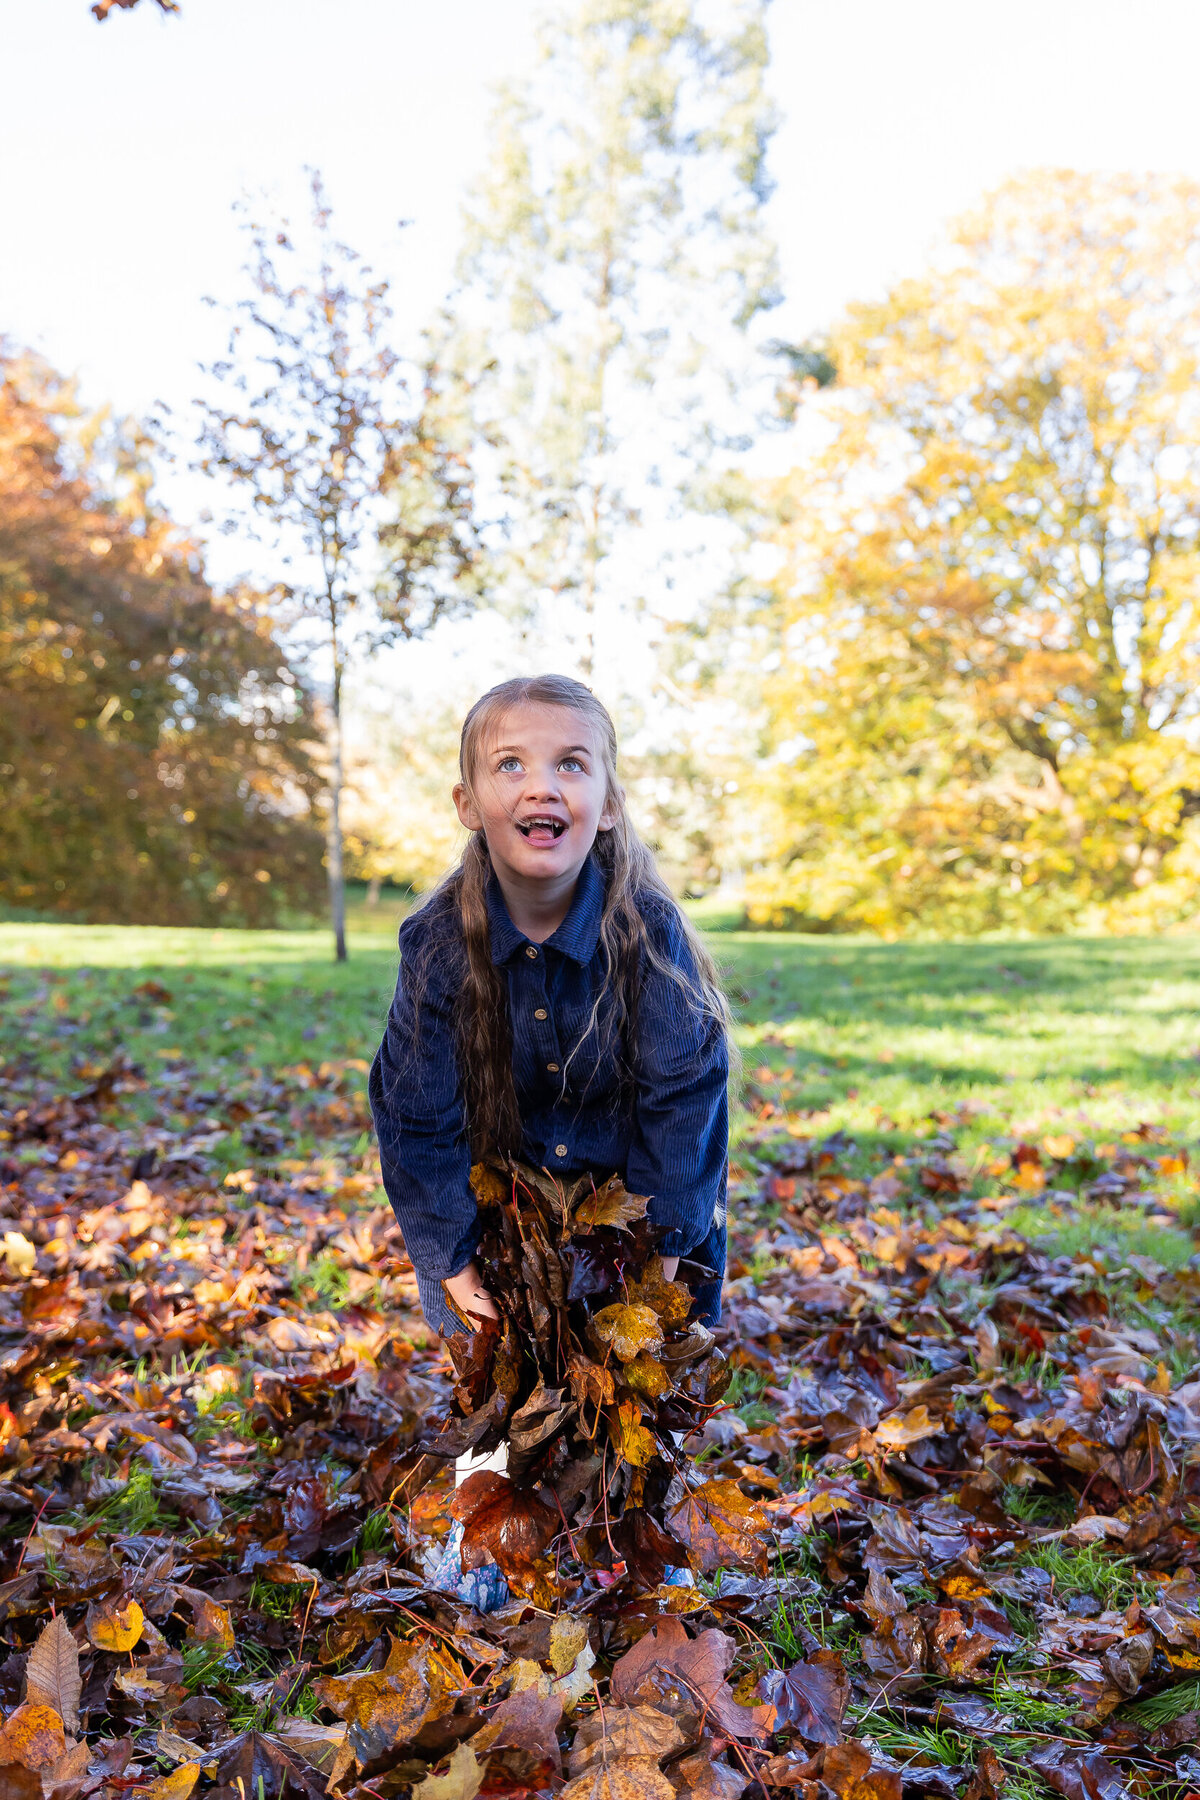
541 1013
553 1068
530 952
560 1149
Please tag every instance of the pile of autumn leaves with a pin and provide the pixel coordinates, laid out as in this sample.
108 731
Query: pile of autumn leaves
593 1376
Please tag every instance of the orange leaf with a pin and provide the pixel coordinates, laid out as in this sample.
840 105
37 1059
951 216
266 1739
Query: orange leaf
33 1737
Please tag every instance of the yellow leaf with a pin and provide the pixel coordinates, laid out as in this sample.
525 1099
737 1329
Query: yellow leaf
633 1442
462 1780
1059 1147
647 1377
897 1432
118 1629
629 1329
608 1205
19 1254
175 1786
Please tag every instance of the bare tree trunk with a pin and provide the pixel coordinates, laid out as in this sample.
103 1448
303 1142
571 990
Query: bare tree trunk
337 880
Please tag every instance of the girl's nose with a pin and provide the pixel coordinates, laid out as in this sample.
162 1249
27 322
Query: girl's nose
543 785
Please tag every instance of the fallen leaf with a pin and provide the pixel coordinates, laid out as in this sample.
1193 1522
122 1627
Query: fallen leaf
628 1778
52 1673
33 1736
462 1780
721 1528
117 1629
175 1786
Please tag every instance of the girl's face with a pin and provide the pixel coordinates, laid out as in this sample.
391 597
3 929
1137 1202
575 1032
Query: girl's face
539 795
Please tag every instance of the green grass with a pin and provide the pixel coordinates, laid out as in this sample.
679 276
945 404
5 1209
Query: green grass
1088 1570
984 1040
1110 1237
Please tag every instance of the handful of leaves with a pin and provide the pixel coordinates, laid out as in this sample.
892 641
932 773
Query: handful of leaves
594 1374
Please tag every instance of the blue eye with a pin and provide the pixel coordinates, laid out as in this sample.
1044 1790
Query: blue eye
510 762
572 762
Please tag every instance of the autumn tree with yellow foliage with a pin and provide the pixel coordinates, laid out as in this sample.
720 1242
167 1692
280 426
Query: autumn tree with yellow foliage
981 640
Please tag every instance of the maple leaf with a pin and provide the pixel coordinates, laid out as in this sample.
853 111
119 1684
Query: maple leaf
811 1697
503 1524
608 1205
462 1780
721 1528
628 1329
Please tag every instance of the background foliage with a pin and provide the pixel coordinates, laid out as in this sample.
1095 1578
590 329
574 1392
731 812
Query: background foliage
153 740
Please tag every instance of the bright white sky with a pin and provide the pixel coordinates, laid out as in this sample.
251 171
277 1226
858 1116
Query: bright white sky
125 143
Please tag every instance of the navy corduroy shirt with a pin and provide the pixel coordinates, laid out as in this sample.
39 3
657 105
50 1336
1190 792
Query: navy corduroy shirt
665 1130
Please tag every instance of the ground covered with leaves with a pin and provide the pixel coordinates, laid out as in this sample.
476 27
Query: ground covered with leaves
939 1492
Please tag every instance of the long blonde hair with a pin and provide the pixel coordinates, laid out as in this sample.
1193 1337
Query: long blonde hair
482 1026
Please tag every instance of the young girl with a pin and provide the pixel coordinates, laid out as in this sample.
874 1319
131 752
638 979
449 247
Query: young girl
554 1005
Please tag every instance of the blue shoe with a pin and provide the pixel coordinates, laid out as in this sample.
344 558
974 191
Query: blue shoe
483 1589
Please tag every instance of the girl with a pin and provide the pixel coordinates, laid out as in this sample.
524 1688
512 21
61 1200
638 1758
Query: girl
554 1005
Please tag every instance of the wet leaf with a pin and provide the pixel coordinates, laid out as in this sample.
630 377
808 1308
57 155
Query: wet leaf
117 1628
721 1528
629 1330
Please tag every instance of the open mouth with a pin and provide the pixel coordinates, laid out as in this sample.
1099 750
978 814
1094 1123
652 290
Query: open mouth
541 830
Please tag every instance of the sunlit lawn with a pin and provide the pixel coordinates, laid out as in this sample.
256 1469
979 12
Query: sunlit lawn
887 1041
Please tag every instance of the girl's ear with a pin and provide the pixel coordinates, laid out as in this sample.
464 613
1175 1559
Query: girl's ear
612 811
464 806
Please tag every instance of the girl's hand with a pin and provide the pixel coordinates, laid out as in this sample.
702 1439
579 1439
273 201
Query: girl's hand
466 1289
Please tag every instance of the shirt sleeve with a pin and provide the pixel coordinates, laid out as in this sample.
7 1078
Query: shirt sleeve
416 1102
680 1150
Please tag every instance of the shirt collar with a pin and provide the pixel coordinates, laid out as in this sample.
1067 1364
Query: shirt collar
579 932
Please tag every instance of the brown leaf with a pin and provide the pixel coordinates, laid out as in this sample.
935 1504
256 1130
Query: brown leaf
848 1769
811 1697
721 1528
678 1674
526 1721
33 1736
704 1778
628 1778
211 1624
639 1731
52 1672
117 1628
19 1783
503 1524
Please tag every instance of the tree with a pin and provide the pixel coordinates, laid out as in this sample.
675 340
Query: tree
153 739
983 638
365 495
615 256
102 8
